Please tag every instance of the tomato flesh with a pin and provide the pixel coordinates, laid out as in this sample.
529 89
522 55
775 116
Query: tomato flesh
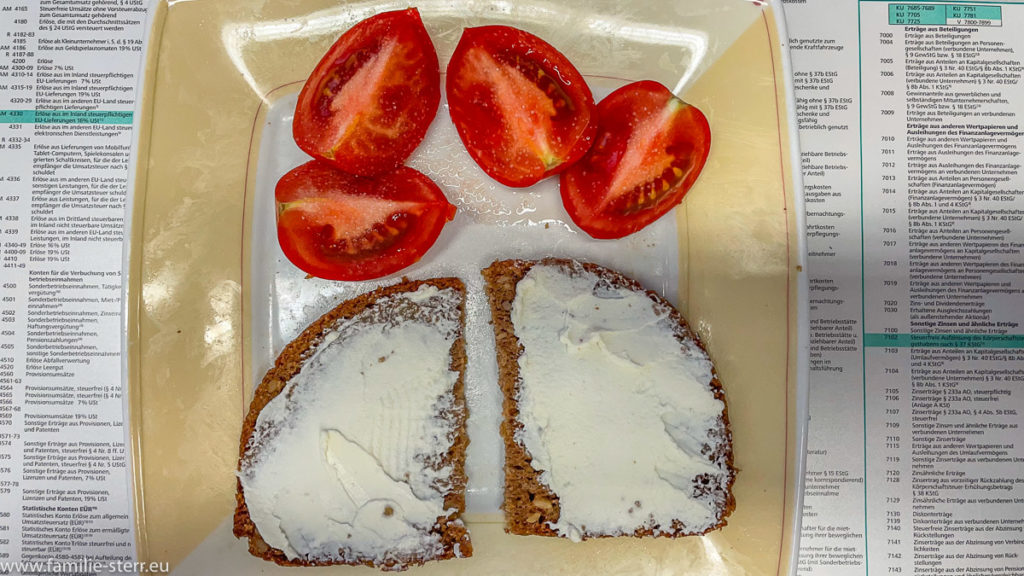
522 109
649 150
370 100
337 226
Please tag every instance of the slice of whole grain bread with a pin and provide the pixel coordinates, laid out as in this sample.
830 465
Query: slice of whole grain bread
376 306
529 504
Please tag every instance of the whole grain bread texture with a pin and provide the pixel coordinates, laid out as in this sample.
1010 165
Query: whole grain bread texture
454 536
528 503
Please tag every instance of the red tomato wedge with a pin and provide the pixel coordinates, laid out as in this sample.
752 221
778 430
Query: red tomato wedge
369 101
342 227
521 108
649 149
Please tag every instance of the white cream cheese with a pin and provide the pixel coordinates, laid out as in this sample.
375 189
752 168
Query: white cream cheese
342 460
615 410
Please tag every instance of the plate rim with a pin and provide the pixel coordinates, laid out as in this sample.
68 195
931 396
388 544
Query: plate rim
131 264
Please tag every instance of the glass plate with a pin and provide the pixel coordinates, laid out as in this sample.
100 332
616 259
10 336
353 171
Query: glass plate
211 301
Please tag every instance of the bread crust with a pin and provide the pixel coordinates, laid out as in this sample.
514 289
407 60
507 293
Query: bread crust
454 536
529 504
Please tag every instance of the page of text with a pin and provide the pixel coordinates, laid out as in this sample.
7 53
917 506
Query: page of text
910 122
67 91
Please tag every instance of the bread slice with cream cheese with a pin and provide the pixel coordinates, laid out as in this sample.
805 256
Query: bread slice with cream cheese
353 449
615 421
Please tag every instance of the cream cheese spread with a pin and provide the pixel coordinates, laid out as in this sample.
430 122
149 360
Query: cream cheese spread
615 408
344 463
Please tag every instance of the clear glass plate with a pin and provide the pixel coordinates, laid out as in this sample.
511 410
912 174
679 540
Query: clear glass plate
212 300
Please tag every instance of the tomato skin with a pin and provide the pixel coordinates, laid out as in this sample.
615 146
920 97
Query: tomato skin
521 108
649 150
338 226
369 102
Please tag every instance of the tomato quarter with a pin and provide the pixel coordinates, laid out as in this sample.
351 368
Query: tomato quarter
649 149
521 108
342 227
368 103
